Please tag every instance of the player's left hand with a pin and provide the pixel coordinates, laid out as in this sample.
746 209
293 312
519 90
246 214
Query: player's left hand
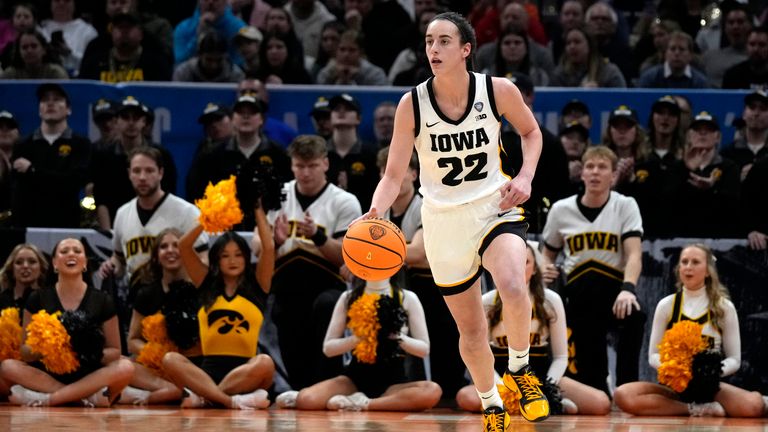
624 304
307 227
515 192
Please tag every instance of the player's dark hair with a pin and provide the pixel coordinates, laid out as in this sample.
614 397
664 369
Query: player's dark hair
536 287
308 147
247 285
148 151
466 33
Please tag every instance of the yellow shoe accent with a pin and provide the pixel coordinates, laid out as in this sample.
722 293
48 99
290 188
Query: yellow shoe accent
495 419
533 404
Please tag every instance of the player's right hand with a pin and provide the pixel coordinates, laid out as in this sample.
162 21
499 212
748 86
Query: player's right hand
370 214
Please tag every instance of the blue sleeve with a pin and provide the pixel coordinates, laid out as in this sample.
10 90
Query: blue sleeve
185 39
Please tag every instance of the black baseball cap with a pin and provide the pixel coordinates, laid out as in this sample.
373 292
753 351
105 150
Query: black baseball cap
756 96
320 107
213 112
46 88
666 101
130 103
522 81
8 118
103 109
344 99
575 105
575 126
705 118
249 99
623 112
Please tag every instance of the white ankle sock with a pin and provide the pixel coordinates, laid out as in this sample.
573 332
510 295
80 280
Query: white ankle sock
517 359
490 398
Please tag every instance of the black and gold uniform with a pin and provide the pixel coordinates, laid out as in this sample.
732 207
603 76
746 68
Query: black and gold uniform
229 331
7 300
97 306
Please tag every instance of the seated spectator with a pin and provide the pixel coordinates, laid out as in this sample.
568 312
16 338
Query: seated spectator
576 111
514 14
513 55
279 62
24 18
157 30
375 18
9 136
211 64
717 61
309 18
248 44
411 65
601 23
582 65
104 115
350 67
665 134
216 120
752 72
50 166
127 58
676 71
754 205
571 16
381 385
326 46
321 117
703 179
630 143
69 36
210 15
278 20
686 112
33 59
751 147
384 123
574 138
273 128
659 31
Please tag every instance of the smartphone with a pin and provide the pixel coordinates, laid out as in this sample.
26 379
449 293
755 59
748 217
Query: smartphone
57 37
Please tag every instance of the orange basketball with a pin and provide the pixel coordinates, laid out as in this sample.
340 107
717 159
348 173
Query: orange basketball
374 249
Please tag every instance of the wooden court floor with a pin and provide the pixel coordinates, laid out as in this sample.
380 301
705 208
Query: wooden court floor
169 419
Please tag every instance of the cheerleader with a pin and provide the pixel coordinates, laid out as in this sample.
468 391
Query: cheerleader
231 374
94 383
703 299
549 347
375 379
152 284
24 271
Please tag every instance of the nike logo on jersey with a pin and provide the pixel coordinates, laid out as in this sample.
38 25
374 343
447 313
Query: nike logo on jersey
430 125
504 213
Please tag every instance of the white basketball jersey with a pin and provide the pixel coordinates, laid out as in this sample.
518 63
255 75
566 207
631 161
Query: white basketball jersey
332 211
460 159
135 240
595 245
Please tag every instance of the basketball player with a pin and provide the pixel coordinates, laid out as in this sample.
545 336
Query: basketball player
599 232
470 213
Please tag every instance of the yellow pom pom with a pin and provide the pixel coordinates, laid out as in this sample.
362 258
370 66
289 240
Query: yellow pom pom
155 333
48 337
10 334
219 208
364 323
510 398
676 350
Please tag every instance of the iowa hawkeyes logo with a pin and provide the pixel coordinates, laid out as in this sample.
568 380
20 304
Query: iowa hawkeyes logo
229 320
376 232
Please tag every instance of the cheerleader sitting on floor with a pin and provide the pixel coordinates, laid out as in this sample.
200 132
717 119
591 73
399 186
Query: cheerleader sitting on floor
701 303
375 379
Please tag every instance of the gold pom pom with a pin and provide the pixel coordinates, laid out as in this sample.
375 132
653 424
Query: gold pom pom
10 334
158 344
364 323
219 208
510 398
677 348
48 337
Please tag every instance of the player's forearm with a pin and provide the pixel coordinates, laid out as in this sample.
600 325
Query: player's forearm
633 267
385 194
531 144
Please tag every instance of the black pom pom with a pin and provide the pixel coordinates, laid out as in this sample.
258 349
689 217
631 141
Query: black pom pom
554 397
705 383
392 318
180 310
86 337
